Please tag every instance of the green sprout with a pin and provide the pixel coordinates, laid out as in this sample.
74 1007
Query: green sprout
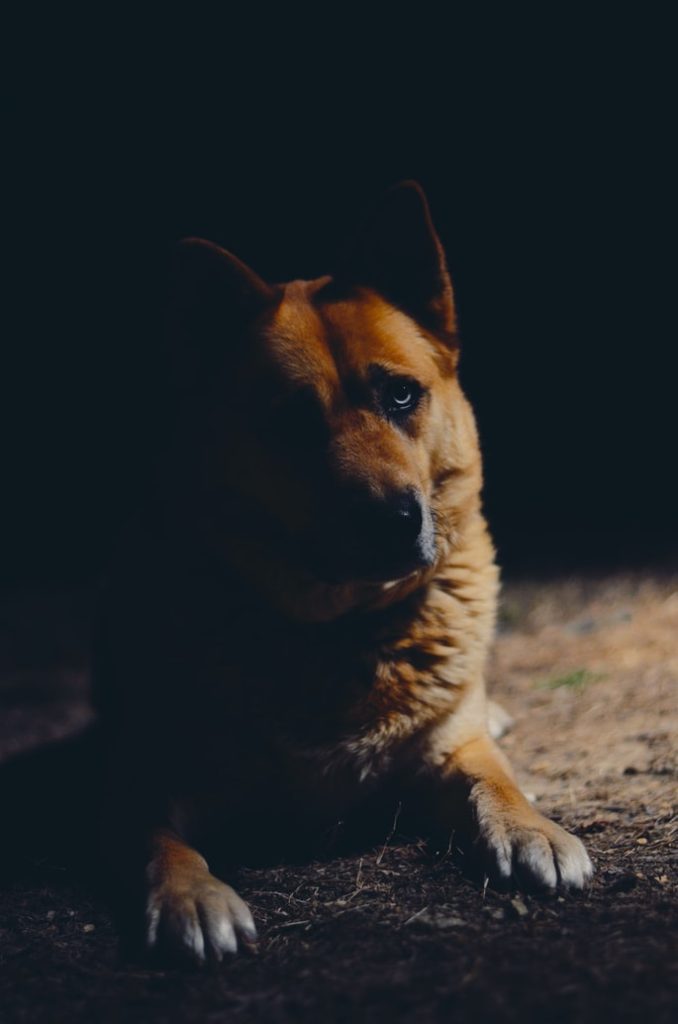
575 680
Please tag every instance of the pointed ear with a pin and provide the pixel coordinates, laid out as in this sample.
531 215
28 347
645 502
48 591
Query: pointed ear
212 290
399 254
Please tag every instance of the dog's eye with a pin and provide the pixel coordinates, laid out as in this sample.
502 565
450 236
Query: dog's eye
396 396
400 396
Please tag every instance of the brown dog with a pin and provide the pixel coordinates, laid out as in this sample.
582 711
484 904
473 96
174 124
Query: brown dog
298 631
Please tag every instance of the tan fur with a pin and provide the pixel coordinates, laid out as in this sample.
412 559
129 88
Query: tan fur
240 686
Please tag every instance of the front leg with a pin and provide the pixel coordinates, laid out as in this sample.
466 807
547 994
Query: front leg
515 841
189 912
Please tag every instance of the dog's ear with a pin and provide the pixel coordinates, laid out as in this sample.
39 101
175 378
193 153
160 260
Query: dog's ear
211 291
398 253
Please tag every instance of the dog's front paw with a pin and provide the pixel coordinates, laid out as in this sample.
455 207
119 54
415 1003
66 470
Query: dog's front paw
520 844
196 916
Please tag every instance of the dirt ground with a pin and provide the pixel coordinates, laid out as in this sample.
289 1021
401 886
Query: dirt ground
588 668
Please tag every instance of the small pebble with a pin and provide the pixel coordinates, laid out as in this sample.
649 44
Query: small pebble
519 907
583 626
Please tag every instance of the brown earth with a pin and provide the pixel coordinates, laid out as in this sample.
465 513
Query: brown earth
589 670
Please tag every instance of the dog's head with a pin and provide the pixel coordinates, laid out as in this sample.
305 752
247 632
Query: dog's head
339 455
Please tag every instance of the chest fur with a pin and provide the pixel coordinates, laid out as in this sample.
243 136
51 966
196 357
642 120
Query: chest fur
221 689
350 698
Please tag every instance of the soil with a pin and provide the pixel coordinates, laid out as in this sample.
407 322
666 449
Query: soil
588 668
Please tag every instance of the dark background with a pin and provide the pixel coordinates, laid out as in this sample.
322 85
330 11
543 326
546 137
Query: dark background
543 150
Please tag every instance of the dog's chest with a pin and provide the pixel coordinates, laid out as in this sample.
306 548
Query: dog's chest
332 706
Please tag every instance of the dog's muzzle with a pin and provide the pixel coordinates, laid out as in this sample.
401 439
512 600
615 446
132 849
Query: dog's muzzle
379 539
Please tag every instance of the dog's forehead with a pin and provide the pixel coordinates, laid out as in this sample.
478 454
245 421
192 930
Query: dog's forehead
296 339
320 342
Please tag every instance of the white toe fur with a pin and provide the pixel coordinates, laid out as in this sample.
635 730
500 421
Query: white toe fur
574 864
533 862
192 938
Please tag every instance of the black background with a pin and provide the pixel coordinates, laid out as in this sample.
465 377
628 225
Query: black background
543 149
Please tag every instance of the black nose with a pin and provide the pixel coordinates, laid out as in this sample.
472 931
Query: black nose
402 518
394 522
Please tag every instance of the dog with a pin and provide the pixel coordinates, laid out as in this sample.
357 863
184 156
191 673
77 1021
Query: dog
296 630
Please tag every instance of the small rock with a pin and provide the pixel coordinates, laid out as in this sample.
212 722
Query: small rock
437 919
582 627
519 907
89 927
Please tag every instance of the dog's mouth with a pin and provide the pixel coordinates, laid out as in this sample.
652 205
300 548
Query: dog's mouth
352 566
354 561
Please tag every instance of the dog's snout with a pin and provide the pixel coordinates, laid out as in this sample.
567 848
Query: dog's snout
381 538
397 527
394 520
